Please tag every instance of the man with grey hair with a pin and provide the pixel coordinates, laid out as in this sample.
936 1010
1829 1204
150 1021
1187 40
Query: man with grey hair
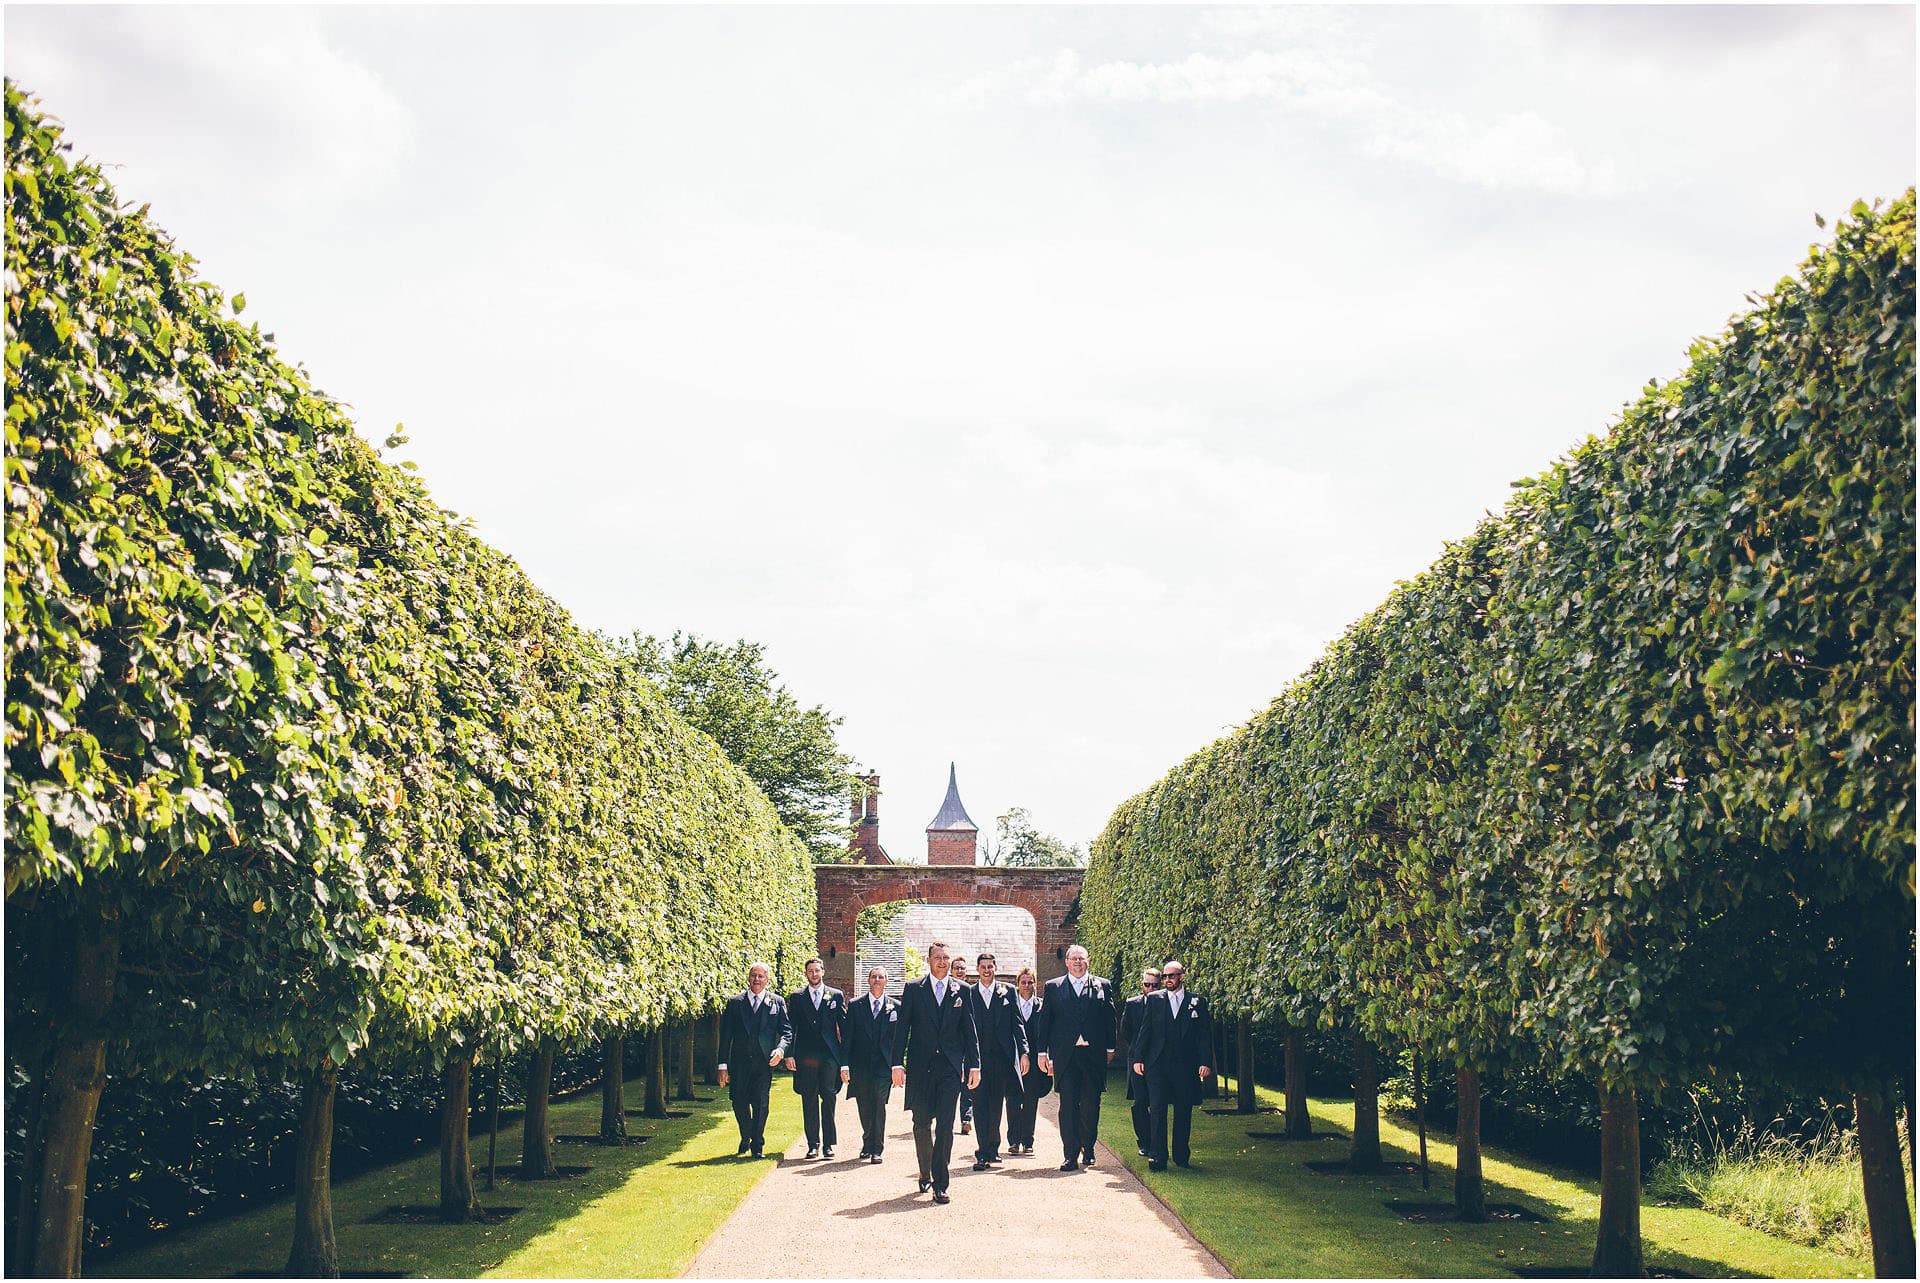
1075 1042
754 1033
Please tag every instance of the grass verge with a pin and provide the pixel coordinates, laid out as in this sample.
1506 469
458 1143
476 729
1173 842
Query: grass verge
1266 1214
1802 1188
640 1212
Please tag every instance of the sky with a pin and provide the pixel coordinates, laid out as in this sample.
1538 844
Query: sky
1045 387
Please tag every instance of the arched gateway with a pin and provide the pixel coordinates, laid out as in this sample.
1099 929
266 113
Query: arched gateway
950 876
844 889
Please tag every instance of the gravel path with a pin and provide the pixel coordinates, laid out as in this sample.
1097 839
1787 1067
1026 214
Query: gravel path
849 1219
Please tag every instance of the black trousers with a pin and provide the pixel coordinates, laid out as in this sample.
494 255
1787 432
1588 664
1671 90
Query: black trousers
1023 1107
818 1082
933 1106
750 1090
1079 1082
870 1095
1166 1101
1141 1109
990 1098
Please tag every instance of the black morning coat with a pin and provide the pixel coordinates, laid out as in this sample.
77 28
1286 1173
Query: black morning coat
1003 1039
1174 1048
1130 1012
934 1039
818 1035
1036 1083
871 1040
748 1039
1065 1019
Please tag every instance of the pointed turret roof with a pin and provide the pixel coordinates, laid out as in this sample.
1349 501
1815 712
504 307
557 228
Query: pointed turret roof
952 814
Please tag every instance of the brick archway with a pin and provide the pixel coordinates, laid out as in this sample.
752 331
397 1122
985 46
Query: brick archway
845 889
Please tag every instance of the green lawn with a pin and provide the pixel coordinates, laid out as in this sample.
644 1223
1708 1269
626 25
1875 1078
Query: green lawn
642 1211
1265 1214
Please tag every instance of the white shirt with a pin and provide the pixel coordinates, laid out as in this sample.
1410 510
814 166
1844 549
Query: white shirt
818 991
1174 996
1079 985
754 999
986 994
939 991
876 1006
1026 1009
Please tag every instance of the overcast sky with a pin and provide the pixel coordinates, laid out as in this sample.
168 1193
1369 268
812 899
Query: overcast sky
1045 387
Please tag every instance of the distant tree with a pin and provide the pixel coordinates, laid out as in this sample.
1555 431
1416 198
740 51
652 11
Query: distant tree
1021 846
792 753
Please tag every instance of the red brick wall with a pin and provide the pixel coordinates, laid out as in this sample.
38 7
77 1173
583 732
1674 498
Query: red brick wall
845 889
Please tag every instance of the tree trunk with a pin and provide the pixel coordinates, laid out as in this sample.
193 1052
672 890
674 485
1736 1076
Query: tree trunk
1299 1119
493 1124
1243 1072
1212 1088
78 1073
1420 1117
458 1199
683 1041
313 1254
1365 1155
1885 1184
1616 1250
613 1091
1469 1189
713 1050
656 1104
536 1133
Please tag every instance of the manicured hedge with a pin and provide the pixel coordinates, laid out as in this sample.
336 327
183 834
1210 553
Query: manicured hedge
1621 787
300 772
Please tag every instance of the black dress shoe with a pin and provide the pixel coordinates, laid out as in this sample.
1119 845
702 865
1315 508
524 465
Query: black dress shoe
1155 1167
1143 1152
925 1184
1069 1166
980 1165
866 1153
745 1145
1087 1160
757 1153
813 1151
826 1151
1182 1162
873 1158
940 1196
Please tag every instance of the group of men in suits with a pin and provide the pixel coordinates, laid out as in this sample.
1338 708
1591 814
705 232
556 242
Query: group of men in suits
1004 1045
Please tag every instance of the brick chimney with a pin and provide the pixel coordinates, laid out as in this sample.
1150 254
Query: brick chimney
953 837
865 842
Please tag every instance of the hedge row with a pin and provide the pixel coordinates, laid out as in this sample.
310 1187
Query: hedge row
1622 786
300 772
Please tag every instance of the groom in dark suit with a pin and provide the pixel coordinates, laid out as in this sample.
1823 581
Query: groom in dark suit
754 1034
1076 1045
937 1051
1173 1056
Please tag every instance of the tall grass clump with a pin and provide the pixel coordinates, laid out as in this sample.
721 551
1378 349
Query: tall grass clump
1801 1184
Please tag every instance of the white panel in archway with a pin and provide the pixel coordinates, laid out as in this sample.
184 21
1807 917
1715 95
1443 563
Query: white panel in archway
968 929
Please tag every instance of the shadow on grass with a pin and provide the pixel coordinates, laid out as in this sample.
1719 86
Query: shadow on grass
255 1243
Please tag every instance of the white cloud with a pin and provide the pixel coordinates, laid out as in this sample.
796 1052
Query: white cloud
1513 151
1521 152
263 89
